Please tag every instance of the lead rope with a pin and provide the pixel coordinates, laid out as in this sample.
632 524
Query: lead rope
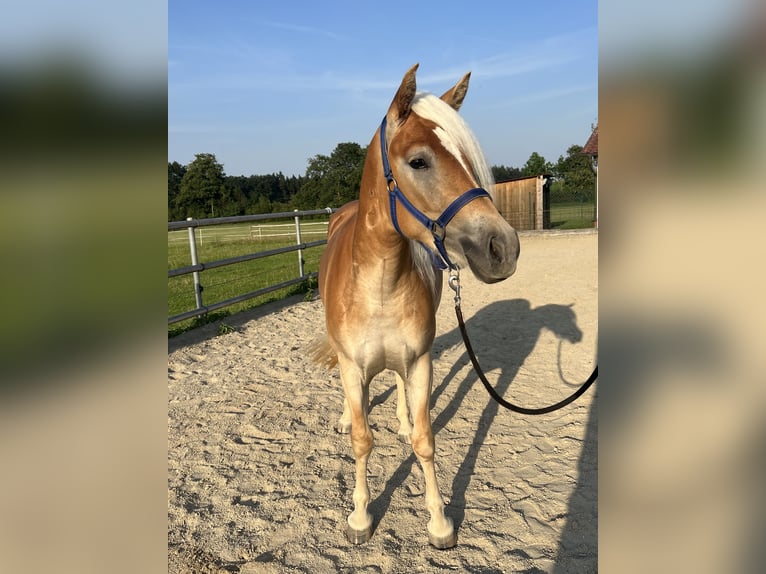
454 283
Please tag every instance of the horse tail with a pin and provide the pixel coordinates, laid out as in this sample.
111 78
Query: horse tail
322 353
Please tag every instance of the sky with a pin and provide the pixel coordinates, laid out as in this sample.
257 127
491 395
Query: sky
265 86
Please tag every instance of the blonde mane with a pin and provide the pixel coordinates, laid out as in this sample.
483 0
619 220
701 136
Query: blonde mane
457 136
423 261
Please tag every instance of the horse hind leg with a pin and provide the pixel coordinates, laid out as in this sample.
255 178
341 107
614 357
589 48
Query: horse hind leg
402 412
323 354
344 422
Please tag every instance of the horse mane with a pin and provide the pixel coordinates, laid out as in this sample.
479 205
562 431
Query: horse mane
423 261
455 134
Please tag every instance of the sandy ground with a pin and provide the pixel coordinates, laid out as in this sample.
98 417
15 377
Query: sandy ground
259 481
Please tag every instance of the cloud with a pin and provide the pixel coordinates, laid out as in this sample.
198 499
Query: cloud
495 67
539 96
239 58
304 29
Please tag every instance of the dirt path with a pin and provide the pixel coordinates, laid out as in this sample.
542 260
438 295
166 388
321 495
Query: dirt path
258 480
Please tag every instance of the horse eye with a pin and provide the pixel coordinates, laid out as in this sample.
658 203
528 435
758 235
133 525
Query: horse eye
418 163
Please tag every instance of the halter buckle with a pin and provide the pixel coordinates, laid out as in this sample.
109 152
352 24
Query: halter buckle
454 283
438 231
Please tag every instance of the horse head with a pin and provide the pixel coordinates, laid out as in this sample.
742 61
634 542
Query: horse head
430 158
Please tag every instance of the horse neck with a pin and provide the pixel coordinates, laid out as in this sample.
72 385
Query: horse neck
378 247
374 223
376 236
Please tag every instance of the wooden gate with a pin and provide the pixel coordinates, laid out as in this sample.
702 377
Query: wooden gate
524 202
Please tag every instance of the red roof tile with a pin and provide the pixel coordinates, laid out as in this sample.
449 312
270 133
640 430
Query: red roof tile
591 146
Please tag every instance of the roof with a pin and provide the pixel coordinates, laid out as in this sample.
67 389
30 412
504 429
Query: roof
524 177
591 146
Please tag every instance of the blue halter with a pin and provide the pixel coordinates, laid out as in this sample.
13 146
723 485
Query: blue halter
436 227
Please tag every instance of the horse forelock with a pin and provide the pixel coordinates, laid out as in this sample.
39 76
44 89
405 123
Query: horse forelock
456 136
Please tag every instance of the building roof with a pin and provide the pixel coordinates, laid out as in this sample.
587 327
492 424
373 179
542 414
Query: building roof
524 177
591 146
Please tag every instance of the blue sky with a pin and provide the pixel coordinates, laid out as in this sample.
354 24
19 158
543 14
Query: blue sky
267 85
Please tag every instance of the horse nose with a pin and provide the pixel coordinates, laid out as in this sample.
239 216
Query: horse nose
517 243
496 250
502 248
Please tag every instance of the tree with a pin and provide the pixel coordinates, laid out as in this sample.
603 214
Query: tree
332 180
503 173
536 165
176 172
233 200
201 188
576 175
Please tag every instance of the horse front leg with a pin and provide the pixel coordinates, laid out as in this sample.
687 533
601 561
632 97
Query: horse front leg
356 391
441 532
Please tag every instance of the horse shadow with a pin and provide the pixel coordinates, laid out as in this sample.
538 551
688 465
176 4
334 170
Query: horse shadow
504 333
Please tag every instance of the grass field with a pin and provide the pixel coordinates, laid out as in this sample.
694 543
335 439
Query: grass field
572 215
223 242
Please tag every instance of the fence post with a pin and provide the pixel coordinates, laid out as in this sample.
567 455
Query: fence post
195 274
298 240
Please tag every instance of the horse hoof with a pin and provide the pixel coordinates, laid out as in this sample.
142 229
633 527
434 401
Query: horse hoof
358 536
406 438
443 542
343 428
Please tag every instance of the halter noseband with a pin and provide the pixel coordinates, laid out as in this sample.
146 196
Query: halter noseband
438 227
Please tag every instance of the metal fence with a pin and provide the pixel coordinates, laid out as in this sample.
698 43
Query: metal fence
570 216
197 267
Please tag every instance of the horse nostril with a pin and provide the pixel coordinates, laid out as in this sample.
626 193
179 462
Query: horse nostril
503 250
496 251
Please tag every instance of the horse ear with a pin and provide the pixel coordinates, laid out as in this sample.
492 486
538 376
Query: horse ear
455 96
402 103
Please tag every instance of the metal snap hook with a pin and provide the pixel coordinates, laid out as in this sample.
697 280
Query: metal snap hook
454 283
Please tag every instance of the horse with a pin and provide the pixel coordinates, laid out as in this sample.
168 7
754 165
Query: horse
380 276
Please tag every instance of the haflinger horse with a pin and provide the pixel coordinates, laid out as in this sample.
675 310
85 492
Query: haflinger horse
380 277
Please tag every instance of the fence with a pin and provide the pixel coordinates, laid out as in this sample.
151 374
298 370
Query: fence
287 230
197 267
571 216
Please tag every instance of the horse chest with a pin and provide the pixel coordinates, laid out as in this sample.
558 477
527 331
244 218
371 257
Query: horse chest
391 338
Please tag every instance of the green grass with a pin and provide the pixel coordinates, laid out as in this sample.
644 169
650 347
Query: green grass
572 215
223 283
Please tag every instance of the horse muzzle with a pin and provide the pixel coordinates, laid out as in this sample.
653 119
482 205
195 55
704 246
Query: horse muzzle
492 254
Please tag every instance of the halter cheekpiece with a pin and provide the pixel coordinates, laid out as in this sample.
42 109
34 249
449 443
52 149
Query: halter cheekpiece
437 227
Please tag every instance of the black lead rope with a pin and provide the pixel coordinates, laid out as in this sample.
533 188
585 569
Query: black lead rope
500 400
